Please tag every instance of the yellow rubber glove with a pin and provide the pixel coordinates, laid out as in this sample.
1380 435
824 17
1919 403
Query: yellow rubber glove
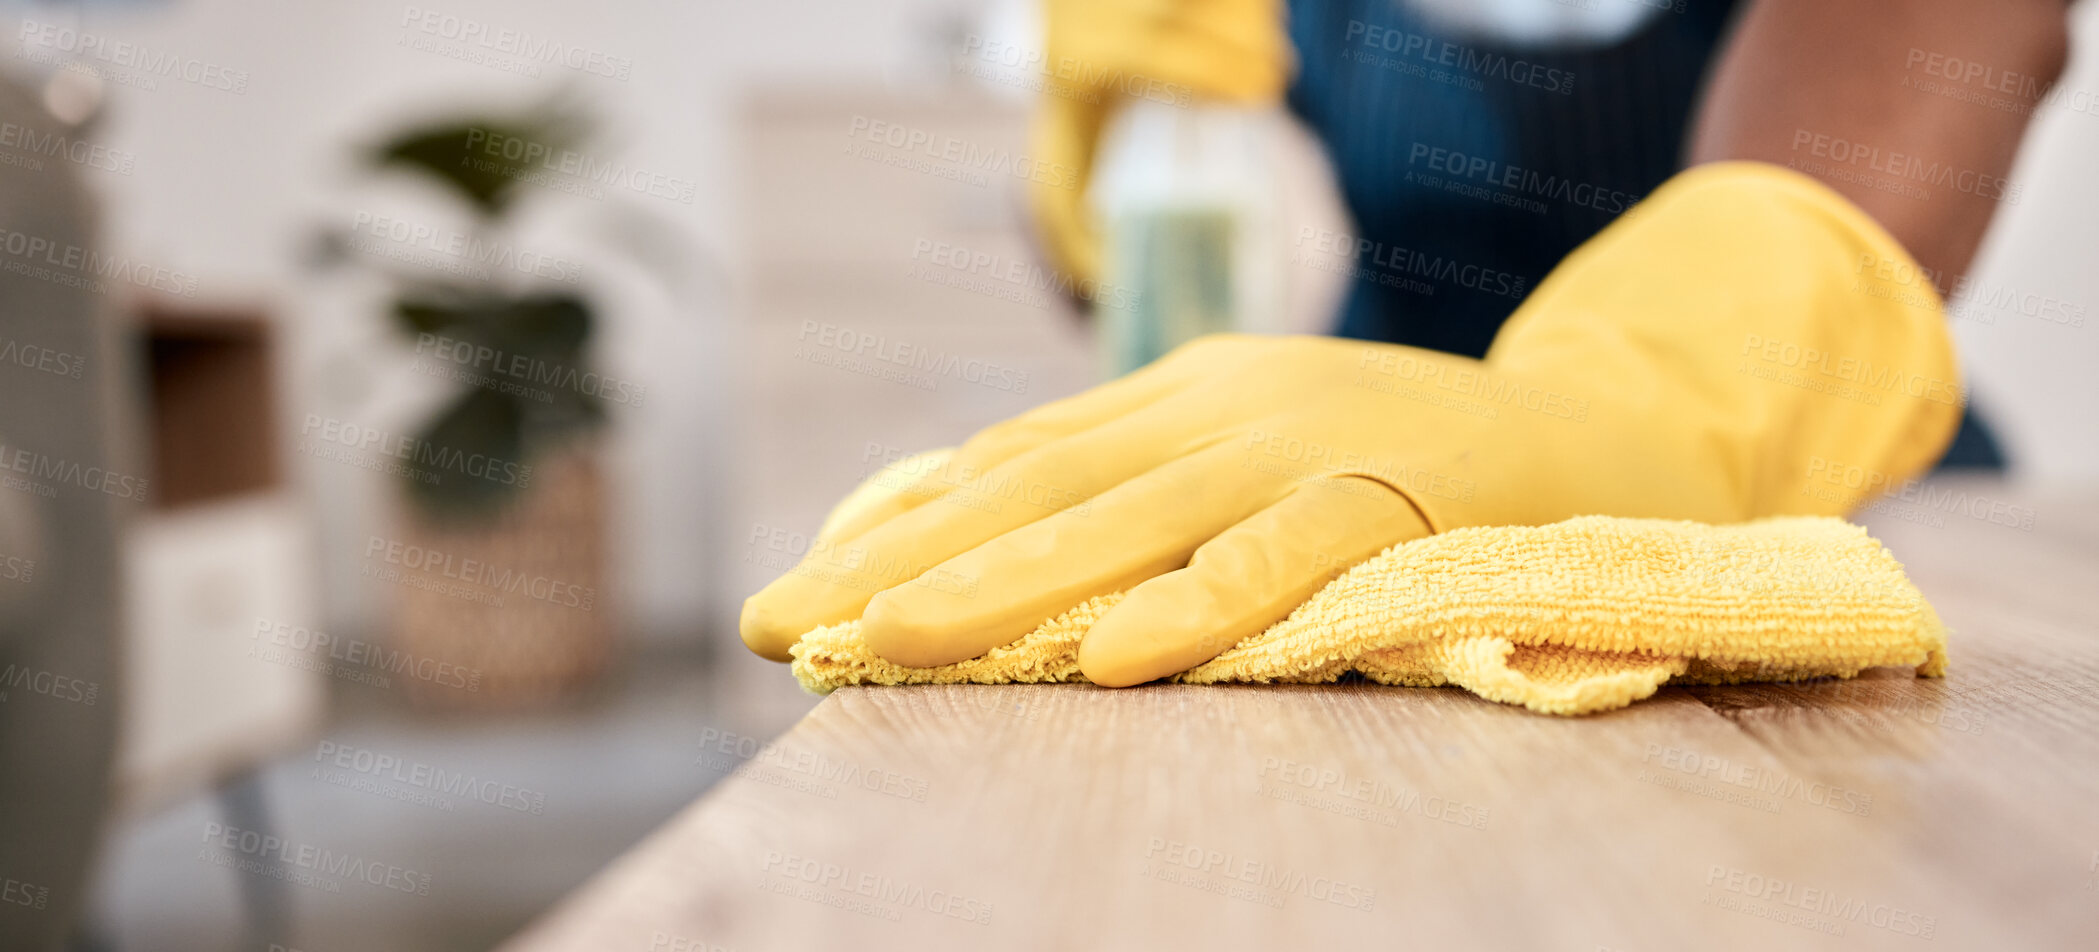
1710 357
1099 54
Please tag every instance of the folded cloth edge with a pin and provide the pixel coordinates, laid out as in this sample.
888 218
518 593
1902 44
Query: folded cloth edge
1581 616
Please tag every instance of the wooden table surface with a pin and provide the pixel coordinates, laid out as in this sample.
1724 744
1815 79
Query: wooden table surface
1888 812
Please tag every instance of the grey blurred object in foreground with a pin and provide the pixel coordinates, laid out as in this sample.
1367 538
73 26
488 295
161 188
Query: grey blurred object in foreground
62 379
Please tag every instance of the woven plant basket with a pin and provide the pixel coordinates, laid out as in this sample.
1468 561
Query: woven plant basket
511 612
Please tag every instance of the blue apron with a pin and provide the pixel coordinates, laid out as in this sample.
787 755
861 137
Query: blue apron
1471 167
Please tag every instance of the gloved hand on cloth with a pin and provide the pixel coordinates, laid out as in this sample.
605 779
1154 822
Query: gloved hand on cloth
1704 358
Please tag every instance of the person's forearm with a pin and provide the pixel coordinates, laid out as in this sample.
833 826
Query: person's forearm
1913 109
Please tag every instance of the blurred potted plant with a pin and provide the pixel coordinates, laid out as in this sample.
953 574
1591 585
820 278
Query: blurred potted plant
501 556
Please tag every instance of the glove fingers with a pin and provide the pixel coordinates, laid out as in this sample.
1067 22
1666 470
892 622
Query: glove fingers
1249 577
838 577
918 480
1006 587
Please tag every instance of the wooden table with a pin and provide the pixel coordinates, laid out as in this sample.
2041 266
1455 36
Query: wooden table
1888 812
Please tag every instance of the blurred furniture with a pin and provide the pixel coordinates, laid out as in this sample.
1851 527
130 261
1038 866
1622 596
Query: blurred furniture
1877 813
221 549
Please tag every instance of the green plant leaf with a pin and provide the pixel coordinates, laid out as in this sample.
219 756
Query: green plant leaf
484 159
469 460
540 323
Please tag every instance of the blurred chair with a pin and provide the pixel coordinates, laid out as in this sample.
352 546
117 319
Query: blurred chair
59 627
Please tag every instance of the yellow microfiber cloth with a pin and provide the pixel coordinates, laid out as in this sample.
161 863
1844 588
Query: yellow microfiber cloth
1586 615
